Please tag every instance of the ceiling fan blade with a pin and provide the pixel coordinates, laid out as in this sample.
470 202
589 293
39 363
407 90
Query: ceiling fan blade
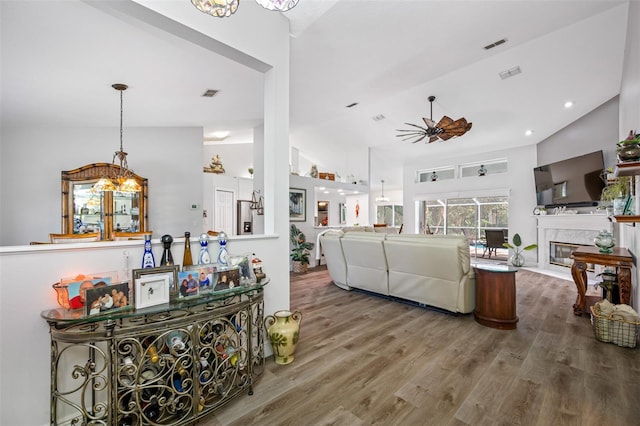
433 139
429 122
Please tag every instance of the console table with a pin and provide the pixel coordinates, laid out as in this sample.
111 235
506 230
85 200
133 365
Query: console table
168 364
620 259
496 296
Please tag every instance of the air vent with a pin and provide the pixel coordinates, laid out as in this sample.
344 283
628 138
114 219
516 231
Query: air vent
510 73
210 93
378 117
495 44
352 105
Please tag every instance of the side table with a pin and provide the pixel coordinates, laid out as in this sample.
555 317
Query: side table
496 296
620 259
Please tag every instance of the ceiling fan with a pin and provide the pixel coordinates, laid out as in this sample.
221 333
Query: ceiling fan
444 130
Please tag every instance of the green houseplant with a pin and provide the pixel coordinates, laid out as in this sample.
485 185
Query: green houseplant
299 250
517 259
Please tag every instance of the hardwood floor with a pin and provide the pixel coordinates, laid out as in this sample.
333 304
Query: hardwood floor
364 360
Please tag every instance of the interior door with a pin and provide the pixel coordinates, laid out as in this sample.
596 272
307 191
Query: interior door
223 211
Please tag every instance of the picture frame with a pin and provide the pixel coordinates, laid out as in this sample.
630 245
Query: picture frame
188 286
76 290
343 213
228 279
152 290
107 298
171 271
297 205
207 275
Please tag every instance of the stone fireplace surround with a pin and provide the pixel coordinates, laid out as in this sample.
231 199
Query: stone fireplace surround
569 228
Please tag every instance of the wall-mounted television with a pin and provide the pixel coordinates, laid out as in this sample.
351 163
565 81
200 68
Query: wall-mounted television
574 182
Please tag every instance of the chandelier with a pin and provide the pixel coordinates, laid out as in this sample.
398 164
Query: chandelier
123 181
226 8
382 198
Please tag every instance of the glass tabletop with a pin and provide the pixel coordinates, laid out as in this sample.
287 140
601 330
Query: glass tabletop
66 316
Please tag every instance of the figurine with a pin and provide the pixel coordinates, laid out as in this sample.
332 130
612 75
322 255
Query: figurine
204 257
223 255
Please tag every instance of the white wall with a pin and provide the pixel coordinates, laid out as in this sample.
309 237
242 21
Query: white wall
595 131
630 119
23 334
236 158
517 183
31 209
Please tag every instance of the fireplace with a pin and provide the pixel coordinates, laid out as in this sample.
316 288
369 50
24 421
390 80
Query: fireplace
572 230
560 254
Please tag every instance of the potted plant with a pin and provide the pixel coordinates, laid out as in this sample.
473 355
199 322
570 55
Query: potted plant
616 192
517 259
300 250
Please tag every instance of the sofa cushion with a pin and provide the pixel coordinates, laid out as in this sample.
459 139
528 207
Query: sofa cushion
366 261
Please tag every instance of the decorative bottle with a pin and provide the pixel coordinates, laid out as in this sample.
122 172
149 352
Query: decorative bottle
186 258
148 261
223 255
167 258
204 257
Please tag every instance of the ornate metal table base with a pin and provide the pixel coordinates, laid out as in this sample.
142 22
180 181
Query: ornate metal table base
168 367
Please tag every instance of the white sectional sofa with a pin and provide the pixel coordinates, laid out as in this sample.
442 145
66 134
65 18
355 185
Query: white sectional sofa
427 269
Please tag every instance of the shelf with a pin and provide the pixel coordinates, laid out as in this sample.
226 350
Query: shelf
626 219
631 168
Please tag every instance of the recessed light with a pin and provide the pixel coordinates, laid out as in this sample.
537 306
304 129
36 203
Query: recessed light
568 104
326 192
322 188
528 132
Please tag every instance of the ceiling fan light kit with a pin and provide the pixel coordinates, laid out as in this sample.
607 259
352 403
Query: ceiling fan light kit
445 129
226 8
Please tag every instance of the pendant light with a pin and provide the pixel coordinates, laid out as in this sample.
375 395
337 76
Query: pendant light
123 181
382 198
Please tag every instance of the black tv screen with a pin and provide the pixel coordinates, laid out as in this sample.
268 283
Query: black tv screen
573 182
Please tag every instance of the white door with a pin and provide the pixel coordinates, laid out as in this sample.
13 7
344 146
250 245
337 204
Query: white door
223 213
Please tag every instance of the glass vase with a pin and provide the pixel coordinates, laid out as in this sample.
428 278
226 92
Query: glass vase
517 260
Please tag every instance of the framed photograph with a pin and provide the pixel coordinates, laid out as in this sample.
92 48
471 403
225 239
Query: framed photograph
188 285
152 290
171 271
76 290
297 205
103 298
206 275
228 278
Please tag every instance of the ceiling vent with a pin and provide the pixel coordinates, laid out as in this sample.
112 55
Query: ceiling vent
510 73
352 105
495 44
378 117
210 93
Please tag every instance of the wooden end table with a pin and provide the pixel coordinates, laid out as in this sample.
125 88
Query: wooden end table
620 259
496 296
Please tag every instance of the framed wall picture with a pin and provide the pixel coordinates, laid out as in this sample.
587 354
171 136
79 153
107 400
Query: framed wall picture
297 205
171 271
152 290
102 298
207 275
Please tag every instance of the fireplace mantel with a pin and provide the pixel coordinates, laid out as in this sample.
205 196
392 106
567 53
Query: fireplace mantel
570 228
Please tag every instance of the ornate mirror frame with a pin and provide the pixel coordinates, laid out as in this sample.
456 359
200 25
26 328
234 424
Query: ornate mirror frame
90 174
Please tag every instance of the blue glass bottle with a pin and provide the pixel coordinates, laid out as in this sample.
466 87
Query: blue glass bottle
204 257
148 261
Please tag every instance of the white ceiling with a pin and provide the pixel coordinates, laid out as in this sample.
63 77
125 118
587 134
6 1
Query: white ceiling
58 57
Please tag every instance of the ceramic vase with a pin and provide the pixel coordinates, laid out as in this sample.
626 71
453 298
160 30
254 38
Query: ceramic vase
283 328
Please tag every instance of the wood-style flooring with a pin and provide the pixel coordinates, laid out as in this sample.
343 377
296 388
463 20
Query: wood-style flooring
363 360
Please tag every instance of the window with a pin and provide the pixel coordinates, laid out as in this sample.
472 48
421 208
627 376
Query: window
389 214
465 216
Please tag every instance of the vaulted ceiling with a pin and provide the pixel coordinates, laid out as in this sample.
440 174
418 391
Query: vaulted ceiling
386 56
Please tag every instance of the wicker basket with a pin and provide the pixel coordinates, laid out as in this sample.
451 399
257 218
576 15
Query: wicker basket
615 330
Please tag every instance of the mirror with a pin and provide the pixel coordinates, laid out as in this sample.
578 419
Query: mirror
105 212
323 213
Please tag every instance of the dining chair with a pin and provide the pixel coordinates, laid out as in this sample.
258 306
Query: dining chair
126 236
74 238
